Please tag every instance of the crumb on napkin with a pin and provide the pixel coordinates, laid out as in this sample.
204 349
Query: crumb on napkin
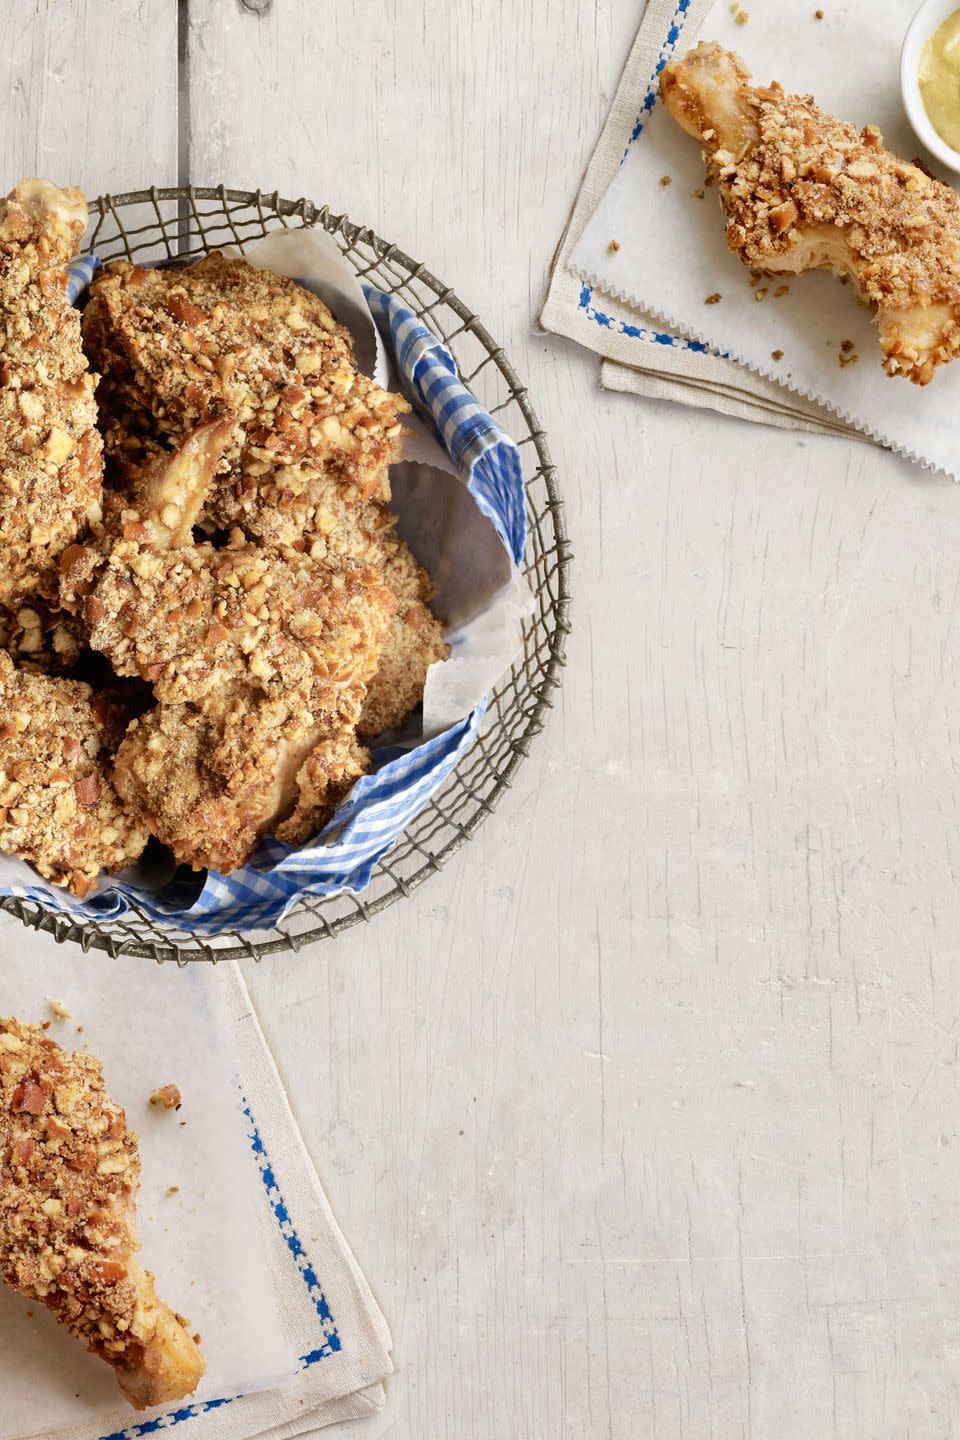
61 1011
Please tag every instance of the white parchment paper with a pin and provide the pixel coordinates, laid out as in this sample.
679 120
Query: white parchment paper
151 1025
673 251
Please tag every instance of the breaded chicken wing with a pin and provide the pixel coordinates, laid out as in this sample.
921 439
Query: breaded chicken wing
313 437
69 1173
256 656
50 451
804 191
58 806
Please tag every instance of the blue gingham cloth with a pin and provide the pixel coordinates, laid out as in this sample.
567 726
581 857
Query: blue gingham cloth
383 803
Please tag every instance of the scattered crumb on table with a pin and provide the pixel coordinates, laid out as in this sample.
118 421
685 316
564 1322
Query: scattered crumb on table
713 299
760 294
46 1025
698 194
168 1096
173 1189
79 1029
61 1011
742 17
818 14
776 354
781 290
614 246
666 179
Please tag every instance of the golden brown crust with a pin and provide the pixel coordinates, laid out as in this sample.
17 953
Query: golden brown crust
803 190
313 437
414 642
50 466
58 806
69 1173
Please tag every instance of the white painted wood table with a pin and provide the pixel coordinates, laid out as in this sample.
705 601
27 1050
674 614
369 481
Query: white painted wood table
642 1115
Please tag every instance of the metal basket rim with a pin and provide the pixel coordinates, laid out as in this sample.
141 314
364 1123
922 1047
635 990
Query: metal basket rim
88 934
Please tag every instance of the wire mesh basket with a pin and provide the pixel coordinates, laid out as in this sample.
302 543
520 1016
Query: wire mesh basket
152 225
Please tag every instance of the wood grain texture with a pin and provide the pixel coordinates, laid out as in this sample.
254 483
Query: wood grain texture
88 92
641 1116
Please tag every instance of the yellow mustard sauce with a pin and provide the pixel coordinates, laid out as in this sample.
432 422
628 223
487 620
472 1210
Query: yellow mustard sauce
939 79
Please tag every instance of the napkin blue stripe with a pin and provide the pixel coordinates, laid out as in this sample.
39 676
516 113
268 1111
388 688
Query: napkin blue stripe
331 1341
585 301
383 803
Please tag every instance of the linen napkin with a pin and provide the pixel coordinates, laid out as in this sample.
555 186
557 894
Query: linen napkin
598 301
232 1218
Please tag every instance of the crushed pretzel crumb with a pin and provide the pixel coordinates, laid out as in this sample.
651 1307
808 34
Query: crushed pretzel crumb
818 14
761 294
780 291
666 179
713 299
61 1011
168 1096
776 354
614 246
698 194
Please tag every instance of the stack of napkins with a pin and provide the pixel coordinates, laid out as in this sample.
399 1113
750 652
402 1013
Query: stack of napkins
232 1217
640 301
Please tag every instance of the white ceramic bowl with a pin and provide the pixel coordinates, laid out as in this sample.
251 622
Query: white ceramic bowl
928 18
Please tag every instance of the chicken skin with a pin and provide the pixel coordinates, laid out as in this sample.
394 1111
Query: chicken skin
69 1172
804 191
50 451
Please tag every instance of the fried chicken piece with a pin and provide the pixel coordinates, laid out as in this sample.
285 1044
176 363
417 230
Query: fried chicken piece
58 806
313 437
803 191
256 656
212 783
204 624
414 642
69 1173
50 451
